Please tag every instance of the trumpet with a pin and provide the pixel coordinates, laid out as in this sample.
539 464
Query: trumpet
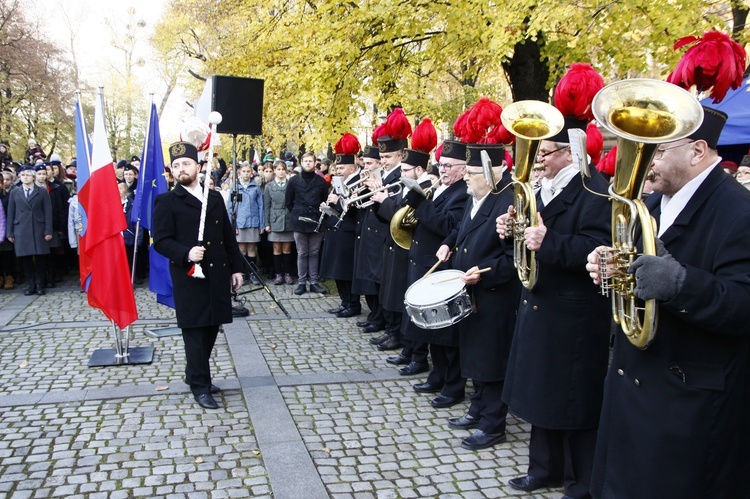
363 200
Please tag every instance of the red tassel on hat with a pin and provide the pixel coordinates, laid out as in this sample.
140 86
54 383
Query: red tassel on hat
607 164
508 159
438 152
378 132
483 118
714 61
397 125
424 139
594 142
347 144
500 135
576 90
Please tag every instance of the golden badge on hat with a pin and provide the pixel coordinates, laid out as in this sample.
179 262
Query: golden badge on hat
339 158
381 147
177 149
468 155
447 147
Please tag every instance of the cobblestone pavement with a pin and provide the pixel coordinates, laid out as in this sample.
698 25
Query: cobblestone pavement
309 409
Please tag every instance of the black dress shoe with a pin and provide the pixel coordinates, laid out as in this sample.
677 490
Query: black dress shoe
380 339
372 328
335 310
481 440
392 343
362 323
398 360
317 288
206 401
212 389
348 312
413 368
441 401
40 292
427 388
28 292
529 483
301 289
465 422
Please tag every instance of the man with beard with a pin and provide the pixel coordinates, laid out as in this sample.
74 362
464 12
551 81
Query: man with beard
201 305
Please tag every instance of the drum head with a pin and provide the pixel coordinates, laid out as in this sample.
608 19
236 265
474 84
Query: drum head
428 290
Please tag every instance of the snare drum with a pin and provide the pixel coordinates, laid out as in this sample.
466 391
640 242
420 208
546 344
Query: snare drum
432 304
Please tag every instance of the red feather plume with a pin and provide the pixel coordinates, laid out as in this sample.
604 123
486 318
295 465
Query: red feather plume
509 159
397 125
347 144
438 152
714 61
459 127
594 142
576 90
378 132
424 138
483 119
607 163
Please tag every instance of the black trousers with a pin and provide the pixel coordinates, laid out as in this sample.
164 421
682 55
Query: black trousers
487 405
35 271
348 300
446 371
393 322
375 316
563 456
199 342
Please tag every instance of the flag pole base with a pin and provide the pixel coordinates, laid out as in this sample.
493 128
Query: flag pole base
163 332
106 357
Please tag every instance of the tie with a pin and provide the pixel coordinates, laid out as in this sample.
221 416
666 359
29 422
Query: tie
28 191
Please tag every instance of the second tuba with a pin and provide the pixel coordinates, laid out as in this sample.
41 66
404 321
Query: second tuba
531 122
642 113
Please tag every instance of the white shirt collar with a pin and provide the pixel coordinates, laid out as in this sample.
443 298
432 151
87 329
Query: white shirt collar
197 192
672 206
477 203
347 179
553 187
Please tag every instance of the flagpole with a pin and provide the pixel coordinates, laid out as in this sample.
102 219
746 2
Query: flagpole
141 186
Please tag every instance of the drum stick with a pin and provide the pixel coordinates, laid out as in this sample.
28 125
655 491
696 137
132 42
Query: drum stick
482 271
432 269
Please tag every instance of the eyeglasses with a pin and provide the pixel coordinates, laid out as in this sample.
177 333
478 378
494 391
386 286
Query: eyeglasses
407 169
545 154
448 166
475 173
743 172
660 151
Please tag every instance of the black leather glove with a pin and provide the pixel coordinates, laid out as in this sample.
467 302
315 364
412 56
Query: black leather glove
657 277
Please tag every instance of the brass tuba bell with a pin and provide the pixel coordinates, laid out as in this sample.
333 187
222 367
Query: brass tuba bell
531 122
642 113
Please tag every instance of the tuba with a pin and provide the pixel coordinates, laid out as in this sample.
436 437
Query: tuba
642 113
531 122
404 222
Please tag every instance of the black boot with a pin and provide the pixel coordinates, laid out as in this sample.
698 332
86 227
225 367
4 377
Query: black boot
278 265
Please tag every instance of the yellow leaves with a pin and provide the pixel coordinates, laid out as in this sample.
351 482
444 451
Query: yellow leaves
23 364
198 460
161 388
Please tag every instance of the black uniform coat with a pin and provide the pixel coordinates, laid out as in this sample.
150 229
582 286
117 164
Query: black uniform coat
368 259
303 198
29 220
338 246
436 220
676 416
485 336
394 280
199 302
561 345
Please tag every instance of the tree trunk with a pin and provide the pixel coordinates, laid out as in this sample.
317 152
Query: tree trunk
527 72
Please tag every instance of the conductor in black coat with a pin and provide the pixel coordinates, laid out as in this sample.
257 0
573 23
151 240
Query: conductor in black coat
485 336
437 218
202 305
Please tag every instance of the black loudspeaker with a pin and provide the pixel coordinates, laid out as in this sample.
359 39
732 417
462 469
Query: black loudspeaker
240 102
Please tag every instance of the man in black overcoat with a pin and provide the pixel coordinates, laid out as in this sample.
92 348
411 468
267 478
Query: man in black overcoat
368 253
674 422
561 344
202 305
436 219
484 336
338 247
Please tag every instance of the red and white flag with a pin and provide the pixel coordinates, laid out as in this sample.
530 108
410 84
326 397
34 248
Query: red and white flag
109 288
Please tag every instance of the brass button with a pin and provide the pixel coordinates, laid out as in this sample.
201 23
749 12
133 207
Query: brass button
637 382
369 228
208 243
621 372
525 302
359 237
414 264
217 222
223 264
535 307
221 242
466 250
416 242
210 264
